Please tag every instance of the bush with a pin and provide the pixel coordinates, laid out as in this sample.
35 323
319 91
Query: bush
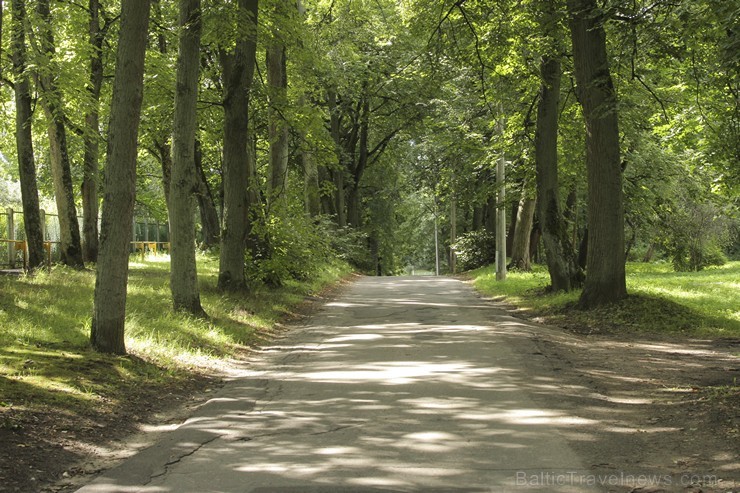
290 247
296 246
348 244
694 237
475 249
694 257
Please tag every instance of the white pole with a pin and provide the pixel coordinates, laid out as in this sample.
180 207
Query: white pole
436 240
501 209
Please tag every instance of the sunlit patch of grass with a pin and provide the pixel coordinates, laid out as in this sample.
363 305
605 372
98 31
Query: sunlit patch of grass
45 359
699 303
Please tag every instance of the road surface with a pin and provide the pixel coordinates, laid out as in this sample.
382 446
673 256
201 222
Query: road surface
401 384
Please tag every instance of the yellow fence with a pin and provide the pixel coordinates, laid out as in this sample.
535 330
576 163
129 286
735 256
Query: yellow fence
21 245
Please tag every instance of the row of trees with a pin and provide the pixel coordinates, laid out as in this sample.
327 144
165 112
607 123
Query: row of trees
668 74
618 121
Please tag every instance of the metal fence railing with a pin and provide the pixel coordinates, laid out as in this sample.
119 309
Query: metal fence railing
147 236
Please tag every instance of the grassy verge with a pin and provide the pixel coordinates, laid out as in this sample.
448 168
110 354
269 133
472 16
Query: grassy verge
46 363
705 303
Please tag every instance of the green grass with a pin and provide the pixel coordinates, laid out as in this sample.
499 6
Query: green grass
46 362
705 303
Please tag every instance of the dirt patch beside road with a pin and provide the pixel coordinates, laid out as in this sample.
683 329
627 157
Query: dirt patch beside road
648 402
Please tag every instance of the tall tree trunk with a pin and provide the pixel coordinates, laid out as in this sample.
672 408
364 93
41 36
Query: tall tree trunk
339 198
277 81
605 272
490 222
209 221
353 206
520 246
91 140
312 190
24 139
477 223
162 139
119 194
534 240
238 71
164 155
513 214
183 271
337 174
354 199
565 274
1 36
312 187
326 182
69 228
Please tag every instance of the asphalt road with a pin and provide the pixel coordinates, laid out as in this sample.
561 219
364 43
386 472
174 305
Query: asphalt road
405 384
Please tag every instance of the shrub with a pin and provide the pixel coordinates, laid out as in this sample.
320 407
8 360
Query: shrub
475 249
694 237
296 246
287 247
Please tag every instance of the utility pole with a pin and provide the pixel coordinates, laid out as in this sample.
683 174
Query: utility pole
453 232
501 206
436 240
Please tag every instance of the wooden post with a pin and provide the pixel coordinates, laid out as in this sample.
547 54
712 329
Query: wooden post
42 213
11 236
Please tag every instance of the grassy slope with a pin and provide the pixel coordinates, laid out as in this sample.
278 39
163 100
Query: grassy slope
705 303
45 360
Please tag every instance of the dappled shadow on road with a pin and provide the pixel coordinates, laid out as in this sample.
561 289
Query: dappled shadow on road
411 385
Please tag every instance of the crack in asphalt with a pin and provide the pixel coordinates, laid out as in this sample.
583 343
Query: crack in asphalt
180 457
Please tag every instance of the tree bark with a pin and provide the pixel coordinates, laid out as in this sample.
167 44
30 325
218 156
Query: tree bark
490 222
312 191
326 183
24 139
354 199
183 271
277 81
164 155
311 183
337 174
1 37
513 214
209 221
565 274
91 140
477 223
238 71
605 270
69 229
520 258
109 311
